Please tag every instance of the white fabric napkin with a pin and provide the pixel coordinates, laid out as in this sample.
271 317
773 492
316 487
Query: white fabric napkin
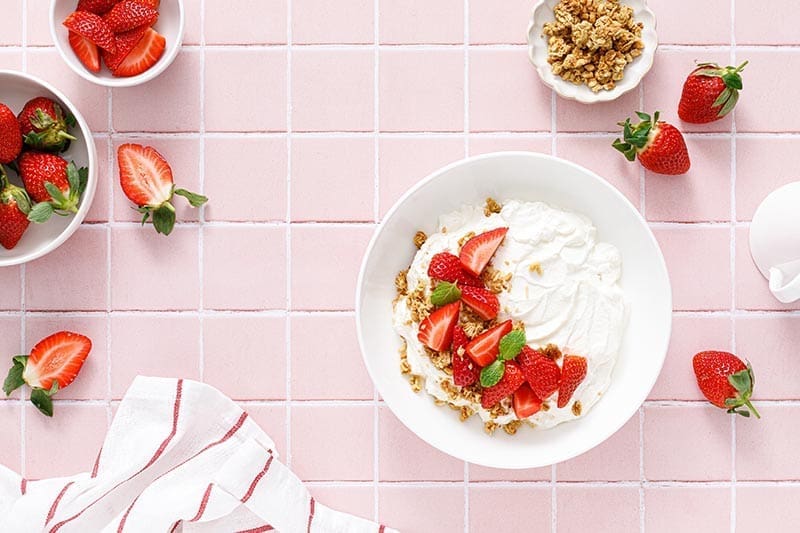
179 456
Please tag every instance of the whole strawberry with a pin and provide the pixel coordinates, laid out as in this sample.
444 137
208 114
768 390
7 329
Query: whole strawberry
710 92
659 146
10 136
45 126
14 208
56 185
726 381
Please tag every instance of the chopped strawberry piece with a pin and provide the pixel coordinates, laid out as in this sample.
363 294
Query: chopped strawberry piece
483 302
98 7
542 373
445 266
526 403
127 15
465 372
478 251
511 381
144 55
58 357
125 42
436 331
573 373
484 348
91 27
86 50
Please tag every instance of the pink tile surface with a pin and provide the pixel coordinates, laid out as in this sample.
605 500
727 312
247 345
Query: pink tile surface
761 167
767 508
272 419
421 21
332 21
674 27
770 345
531 509
10 291
617 459
705 509
251 22
487 143
755 25
752 289
778 428
490 25
764 112
359 501
11 417
574 116
599 509
415 509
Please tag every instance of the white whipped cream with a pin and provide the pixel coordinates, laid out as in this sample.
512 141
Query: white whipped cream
576 303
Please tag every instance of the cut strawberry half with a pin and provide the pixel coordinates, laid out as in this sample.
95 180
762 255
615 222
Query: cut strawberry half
511 381
465 371
573 373
86 50
58 357
541 373
478 251
144 55
97 7
125 42
127 15
483 302
526 403
91 27
484 348
445 266
436 331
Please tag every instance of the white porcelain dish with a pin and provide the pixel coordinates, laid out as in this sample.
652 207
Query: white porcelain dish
634 72
17 88
170 24
528 177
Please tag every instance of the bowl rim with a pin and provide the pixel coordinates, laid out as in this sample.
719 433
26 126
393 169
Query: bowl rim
132 81
559 85
91 186
608 430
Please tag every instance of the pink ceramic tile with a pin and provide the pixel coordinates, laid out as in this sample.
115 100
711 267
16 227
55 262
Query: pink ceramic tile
171 102
272 419
674 27
770 344
10 417
245 356
689 336
333 90
72 277
193 27
604 116
766 449
421 21
356 500
232 282
598 509
752 289
761 167
183 156
333 179
256 100
100 211
10 345
669 509
698 260
616 459
38 27
596 154
482 473
767 508
88 98
758 108
157 345
419 509
703 451
10 288
326 359
92 382
77 450
484 144
757 25
399 172
505 93
332 443
315 285
406 457
153 272
700 195
11 59
663 85
421 90
12 23
491 23
530 509
250 22
238 159
333 21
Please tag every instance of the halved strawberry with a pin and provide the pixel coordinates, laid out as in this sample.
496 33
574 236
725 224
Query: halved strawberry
483 302
445 266
125 42
484 348
542 373
511 381
10 135
127 15
526 403
465 372
478 251
91 27
144 55
86 51
97 7
436 331
573 373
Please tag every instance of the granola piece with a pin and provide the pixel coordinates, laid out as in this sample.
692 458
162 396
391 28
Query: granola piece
465 412
440 360
536 267
473 325
401 282
405 367
416 382
419 239
489 427
419 303
465 238
512 427
552 351
545 406
495 280
576 408
491 207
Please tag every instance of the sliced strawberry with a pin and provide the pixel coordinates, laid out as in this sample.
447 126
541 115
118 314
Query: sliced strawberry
478 251
58 357
573 373
86 50
483 302
511 381
445 266
436 331
91 27
125 42
144 55
484 348
526 403
127 15
542 373
465 372
98 7
149 3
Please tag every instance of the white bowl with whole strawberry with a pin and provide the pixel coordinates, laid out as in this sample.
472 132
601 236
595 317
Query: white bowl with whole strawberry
48 168
514 310
117 43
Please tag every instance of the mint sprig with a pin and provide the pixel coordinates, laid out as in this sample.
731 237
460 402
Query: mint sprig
492 374
511 344
445 293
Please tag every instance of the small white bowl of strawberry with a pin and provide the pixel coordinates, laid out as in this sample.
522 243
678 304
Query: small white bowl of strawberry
48 168
117 43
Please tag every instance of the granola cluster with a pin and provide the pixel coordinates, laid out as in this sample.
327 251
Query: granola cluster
590 42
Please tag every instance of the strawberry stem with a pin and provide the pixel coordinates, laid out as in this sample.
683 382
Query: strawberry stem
752 408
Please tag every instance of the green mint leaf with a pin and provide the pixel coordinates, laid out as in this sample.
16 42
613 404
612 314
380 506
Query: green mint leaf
41 212
445 293
511 344
42 401
195 200
492 374
14 378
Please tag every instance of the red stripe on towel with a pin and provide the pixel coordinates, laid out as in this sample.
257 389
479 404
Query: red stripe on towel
255 481
96 463
310 514
381 529
203 504
52 512
259 529
23 486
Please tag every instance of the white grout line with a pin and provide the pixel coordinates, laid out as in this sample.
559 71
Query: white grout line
733 268
201 363
288 234
22 274
376 454
466 90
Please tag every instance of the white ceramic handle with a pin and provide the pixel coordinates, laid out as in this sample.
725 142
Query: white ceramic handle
786 291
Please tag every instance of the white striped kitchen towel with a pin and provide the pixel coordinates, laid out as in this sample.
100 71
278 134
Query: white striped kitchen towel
179 456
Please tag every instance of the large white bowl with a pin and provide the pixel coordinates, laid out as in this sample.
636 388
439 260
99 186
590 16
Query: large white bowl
531 177
17 88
